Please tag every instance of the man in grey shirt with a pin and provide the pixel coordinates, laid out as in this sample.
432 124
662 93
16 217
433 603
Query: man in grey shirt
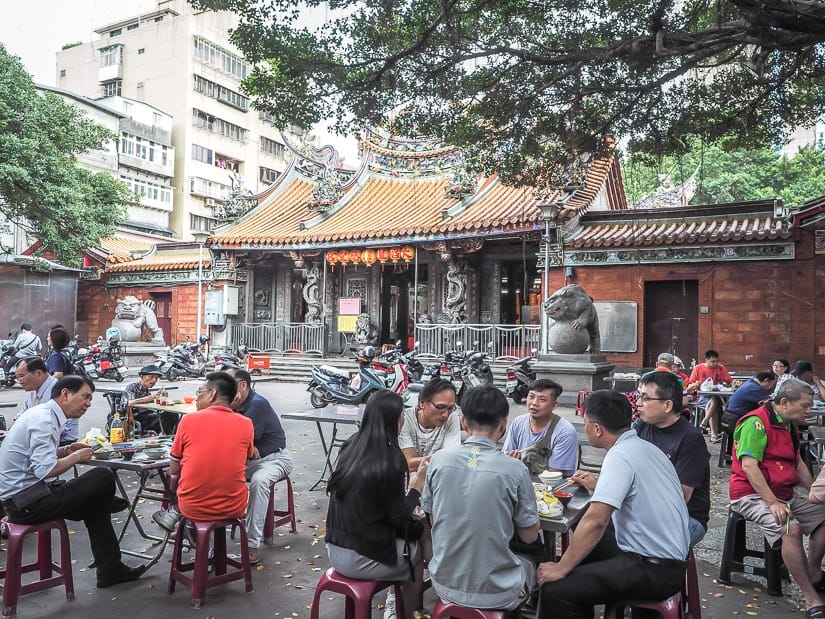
29 456
477 498
35 379
26 344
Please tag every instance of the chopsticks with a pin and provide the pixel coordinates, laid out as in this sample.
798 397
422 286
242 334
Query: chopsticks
564 485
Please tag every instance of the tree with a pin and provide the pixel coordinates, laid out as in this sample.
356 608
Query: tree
529 87
42 189
730 176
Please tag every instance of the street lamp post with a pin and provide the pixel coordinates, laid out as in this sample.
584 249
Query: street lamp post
549 212
200 237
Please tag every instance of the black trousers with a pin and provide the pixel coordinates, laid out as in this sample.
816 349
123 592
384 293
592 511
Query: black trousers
607 575
87 498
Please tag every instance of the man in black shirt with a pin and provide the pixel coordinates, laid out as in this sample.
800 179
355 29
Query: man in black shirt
661 423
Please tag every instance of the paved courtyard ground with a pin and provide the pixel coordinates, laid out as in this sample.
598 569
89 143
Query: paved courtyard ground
285 582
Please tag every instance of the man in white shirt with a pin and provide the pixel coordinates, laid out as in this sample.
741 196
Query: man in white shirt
37 382
432 425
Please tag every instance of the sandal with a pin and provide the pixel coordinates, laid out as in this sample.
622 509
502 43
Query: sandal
816 612
716 439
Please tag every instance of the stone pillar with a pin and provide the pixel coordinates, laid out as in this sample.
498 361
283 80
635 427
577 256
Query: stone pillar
583 372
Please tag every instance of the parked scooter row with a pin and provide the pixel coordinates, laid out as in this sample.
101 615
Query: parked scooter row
520 376
185 360
234 361
104 359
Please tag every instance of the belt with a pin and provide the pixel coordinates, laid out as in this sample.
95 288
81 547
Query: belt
655 561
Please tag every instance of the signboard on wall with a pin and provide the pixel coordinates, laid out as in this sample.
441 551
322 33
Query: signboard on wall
349 306
618 325
347 324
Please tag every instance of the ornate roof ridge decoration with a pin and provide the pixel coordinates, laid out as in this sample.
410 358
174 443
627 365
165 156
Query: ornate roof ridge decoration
463 184
316 164
237 203
412 158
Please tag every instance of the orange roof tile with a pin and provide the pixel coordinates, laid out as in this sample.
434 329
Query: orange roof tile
164 259
120 249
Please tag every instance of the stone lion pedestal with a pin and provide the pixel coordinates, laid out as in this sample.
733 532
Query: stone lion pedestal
574 373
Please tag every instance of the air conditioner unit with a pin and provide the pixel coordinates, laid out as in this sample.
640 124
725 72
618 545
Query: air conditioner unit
211 202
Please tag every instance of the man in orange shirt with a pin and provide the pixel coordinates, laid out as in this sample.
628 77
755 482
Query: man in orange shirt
209 453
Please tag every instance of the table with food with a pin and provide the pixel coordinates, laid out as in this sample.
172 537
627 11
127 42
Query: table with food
559 502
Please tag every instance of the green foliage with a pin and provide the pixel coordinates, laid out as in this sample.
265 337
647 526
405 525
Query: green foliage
528 87
723 176
42 188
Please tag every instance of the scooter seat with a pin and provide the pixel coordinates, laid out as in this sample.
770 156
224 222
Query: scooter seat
333 371
417 387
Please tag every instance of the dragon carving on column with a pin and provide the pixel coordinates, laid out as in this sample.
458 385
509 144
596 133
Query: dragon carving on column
312 296
455 296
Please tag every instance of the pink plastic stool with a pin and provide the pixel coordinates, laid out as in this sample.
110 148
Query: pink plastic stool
671 608
200 580
443 610
359 594
276 518
580 398
51 574
692 599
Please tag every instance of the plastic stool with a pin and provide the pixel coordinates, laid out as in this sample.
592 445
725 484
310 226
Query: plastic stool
359 594
691 599
277 517
671 608
735 549
580 398
15 568
200 580
443 610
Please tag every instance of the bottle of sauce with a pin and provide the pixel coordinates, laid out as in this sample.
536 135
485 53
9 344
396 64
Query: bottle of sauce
116 430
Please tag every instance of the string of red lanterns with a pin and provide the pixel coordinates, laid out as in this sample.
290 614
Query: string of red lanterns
370 256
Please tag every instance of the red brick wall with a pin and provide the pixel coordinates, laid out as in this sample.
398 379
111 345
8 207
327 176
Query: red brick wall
96 308
757 310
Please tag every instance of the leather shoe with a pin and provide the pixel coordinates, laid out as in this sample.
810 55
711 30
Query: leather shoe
118 504
122 573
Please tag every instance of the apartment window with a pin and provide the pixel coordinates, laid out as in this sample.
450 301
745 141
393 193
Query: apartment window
116 33
145 149
148 189
201 224
62 72
141 50
221 93
158 19
220 58
268 175
272 147
156 118
110 56
218 125
205 187
199 153
226 163
132 26
111 89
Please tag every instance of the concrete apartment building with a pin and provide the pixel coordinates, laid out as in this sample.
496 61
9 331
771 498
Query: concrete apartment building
179 60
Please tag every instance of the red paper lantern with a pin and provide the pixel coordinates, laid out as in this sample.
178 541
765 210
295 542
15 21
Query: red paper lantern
355 256
343 256
369 257
383 255
332 256
407 253
395 254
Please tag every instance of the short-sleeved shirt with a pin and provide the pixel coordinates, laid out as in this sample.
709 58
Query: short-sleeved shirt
750 437
58 361
747 398
702 372
640 483
564 442
132 391
426 441
213 446
269 434
27 345
685 447
477 497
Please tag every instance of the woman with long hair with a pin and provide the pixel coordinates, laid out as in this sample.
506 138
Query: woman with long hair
372 532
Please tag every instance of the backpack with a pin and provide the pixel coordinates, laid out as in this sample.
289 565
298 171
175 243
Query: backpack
68 364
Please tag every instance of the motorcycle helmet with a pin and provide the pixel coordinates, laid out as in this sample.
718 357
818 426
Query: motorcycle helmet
203 339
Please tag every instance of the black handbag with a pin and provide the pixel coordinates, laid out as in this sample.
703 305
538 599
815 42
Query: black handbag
536 455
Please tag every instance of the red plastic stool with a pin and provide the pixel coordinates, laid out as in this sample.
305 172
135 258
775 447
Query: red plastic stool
691 598
275 517
671 608
200 580
443 610
580 402
359 594
12 574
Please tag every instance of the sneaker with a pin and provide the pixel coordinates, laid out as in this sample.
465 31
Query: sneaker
389 606
167 519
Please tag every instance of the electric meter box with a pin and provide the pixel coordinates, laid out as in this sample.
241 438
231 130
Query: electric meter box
220 303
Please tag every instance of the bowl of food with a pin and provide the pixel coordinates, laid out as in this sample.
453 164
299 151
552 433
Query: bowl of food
104 454
188 399
155 453
550 477
128 453
563 496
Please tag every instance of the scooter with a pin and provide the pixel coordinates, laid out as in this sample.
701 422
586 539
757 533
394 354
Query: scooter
237 361
329 385
520 376
108 359
187 360
7 352
474 371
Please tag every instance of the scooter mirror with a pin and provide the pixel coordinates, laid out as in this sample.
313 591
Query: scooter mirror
459 344
534 350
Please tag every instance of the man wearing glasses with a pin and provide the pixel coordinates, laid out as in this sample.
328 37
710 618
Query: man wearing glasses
209 453
662 424
542 424
432 425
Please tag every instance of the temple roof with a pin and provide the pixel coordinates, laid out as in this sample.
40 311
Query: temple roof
404 191
163 259
751 221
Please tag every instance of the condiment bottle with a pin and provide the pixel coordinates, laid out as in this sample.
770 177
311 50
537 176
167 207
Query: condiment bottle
116 430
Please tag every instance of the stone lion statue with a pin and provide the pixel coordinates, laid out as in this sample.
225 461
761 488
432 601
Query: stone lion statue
132 316
364 331
575 322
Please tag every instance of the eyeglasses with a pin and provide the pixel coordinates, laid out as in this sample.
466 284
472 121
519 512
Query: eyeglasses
443 408
201 390
643 397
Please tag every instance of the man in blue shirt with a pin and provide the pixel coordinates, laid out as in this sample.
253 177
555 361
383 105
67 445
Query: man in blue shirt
272 461
749 396
639 493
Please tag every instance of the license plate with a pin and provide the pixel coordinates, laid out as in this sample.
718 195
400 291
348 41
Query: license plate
511 385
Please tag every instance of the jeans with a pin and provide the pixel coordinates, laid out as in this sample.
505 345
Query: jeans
696 531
